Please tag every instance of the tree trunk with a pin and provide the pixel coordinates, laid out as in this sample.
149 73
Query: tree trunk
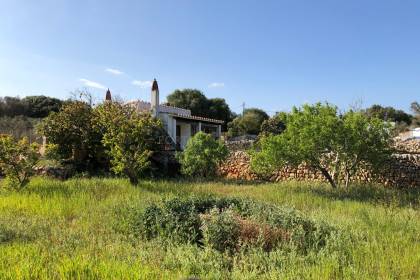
347 179
328 177
133 180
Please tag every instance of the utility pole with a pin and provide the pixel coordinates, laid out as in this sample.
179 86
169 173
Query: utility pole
243 108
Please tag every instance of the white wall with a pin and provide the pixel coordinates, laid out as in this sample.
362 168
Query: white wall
185 134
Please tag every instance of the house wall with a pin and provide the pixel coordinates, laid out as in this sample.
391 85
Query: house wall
185 134
170 123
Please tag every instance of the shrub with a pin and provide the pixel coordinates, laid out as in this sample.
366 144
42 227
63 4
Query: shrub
17 161
227 224
273 126
221 230
130 138
202 155
72 132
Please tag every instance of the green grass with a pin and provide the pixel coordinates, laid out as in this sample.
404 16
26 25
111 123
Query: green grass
69 230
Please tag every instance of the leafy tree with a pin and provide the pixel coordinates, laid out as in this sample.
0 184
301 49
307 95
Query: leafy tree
130 138
191 99
318 137
218 109
388 114
274 125
202 155
72 130
17 160
363 142
200 105
30 106
248 123
40 106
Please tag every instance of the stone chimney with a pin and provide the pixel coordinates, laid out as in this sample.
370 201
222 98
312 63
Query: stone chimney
108 96
155 99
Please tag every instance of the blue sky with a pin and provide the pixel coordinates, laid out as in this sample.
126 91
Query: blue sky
268 54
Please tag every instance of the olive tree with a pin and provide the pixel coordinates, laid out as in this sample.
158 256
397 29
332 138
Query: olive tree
17 160
336 145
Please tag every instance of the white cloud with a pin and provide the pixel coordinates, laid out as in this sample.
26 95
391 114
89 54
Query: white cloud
92 84
114 71
142 84
216 85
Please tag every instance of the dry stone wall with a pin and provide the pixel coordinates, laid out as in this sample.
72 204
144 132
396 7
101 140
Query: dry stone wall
402 171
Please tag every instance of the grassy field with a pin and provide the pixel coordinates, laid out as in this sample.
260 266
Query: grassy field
69 230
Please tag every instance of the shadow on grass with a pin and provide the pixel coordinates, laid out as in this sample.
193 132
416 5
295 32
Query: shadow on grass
373 194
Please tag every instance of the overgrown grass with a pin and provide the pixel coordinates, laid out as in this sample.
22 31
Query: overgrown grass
72 229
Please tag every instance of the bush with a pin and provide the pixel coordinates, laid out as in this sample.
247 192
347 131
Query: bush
221 230
273 126
202 155
72 132
130 138
17 161
228 224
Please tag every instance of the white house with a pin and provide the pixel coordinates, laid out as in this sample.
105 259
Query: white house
410 134
416 133
178 123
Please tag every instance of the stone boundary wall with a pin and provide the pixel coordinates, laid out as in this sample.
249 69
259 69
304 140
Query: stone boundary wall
402 171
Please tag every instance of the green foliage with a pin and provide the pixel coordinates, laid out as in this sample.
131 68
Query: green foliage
130 138
68 229
248 123
41 106
221 230
17 160
30 106
226 224
72 130
202 155
318 137
191 99
200 105
390 114
274 125
362 143
52 152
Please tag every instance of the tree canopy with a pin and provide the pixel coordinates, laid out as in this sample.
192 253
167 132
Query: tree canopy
388 114
17 160
248 123
31 106
336 145
200 105
72 130
274 125
129 138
